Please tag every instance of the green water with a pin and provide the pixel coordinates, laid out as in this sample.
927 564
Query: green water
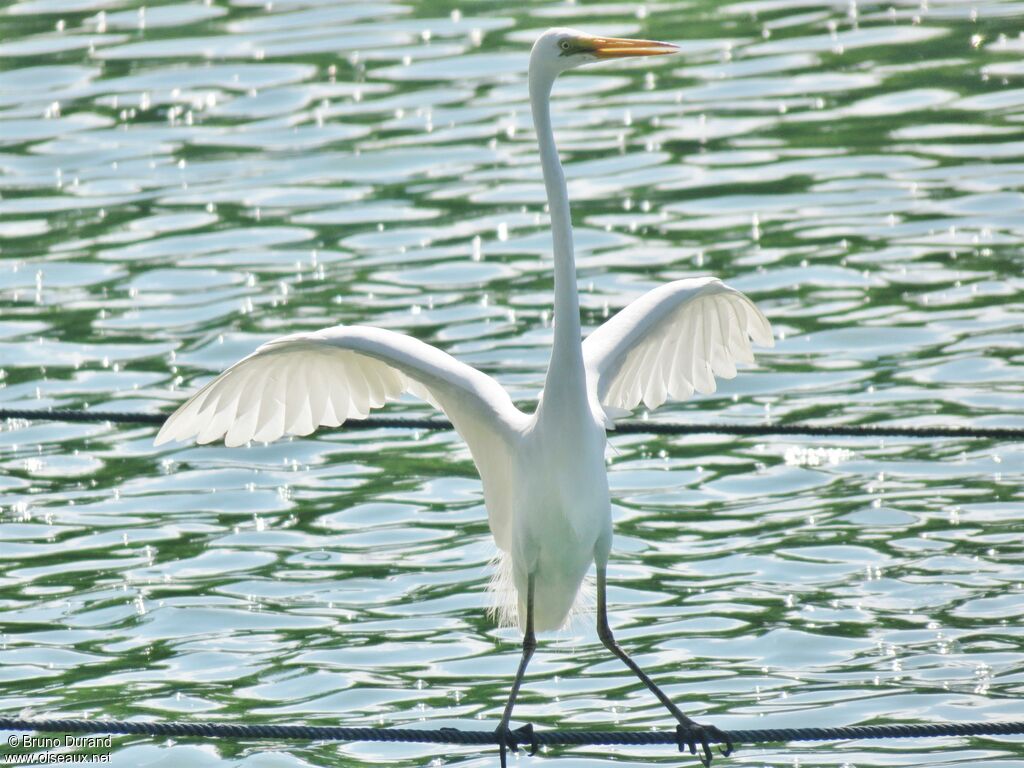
181 182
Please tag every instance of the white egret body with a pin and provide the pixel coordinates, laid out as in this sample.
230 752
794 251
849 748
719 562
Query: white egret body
544 477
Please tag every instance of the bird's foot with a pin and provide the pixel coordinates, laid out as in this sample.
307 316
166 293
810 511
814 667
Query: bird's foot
506 741
509 740
690 734
525 734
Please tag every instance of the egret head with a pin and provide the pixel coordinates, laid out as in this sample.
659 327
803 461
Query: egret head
560 49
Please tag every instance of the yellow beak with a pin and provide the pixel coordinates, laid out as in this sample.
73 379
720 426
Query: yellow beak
620 47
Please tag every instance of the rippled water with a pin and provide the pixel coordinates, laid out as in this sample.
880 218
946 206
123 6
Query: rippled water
182 181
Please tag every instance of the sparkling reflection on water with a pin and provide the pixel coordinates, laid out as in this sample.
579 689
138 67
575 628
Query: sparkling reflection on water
182 181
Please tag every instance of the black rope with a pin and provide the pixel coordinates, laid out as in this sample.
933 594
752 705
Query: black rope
547 737
622 427
65 414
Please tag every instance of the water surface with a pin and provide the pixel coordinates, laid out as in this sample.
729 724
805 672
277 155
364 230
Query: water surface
182 181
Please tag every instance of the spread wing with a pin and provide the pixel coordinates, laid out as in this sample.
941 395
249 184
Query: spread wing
671 341
296 383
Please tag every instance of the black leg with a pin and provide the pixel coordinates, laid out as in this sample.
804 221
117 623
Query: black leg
506 738
700 732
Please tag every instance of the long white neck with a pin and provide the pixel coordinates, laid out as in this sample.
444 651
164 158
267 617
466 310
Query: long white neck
566 380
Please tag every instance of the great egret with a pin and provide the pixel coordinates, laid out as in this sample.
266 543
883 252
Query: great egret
544 478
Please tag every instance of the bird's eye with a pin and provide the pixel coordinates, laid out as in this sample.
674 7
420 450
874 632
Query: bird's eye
565 45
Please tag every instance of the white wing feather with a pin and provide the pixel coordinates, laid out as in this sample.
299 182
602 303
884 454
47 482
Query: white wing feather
296 383
671 341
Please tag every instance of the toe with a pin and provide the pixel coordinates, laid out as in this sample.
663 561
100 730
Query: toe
506 741
685 737
708 755
720 736
725 744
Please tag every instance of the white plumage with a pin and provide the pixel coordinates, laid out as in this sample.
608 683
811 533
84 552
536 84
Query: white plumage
671 341
668 343
544 477
294 384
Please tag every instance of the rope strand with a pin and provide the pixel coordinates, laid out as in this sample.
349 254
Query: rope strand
545 737
624 427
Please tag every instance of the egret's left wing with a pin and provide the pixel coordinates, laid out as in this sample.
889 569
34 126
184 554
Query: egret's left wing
671 341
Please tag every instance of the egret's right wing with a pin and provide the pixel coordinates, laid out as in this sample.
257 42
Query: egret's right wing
296 383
